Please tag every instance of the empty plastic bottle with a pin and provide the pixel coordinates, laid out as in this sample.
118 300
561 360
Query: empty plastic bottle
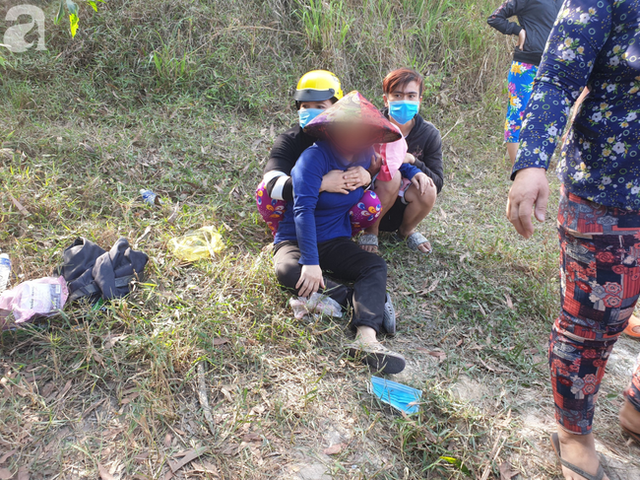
5 271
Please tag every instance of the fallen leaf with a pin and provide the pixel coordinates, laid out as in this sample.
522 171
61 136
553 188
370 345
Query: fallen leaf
220 341
505 471
509 301
189 456
110 341
251 437
167 440
431 288
19 206
439 354
23 473
6 455
5 474
104 473
334 449
64 391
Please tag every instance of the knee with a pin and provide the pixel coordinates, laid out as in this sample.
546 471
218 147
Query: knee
390 188
288 273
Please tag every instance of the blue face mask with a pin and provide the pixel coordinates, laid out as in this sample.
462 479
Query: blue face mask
307 114
403 111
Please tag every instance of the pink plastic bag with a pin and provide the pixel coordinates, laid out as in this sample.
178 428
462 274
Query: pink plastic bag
392 157
36 298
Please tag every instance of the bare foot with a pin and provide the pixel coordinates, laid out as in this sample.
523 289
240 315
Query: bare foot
370 248
630 417
579 450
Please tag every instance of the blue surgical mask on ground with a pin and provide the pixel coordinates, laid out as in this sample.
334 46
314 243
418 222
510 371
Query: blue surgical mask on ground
401 397
307 114
403 111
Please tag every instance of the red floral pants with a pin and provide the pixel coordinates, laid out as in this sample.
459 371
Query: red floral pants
600 281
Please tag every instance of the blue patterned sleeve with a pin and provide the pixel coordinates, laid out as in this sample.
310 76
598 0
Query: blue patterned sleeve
580 32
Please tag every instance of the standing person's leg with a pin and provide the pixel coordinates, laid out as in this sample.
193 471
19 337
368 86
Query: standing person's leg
387 192
600 287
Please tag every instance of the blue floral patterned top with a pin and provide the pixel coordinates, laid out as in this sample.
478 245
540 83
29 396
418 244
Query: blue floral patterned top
594 43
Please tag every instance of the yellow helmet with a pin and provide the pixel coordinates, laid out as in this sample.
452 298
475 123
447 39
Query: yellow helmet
316 86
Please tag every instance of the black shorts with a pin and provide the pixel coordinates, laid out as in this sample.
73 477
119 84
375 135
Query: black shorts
392 220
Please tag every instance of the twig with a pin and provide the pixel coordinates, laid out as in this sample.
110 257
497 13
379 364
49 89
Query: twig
255 27
458 122
494 454
204 400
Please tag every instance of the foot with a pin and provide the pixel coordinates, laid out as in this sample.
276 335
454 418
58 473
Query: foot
420 244
368 242
629 417
580 450
633 329
369 351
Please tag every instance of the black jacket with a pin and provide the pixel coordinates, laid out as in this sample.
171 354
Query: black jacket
91 271
535 16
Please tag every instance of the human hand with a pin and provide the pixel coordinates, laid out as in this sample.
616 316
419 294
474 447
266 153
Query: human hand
376 164
334 182
356 177
422 181
408 158
522 36
310 280
530 188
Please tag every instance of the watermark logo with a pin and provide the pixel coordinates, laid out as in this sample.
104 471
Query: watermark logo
14 36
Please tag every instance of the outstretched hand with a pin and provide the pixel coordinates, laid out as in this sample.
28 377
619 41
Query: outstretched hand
529 188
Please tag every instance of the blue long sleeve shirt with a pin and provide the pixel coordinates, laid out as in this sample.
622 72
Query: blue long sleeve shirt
594 43
315 217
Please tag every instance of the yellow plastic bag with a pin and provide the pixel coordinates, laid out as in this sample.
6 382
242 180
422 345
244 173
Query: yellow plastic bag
195 245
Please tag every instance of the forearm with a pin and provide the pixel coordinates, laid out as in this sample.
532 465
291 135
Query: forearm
279 186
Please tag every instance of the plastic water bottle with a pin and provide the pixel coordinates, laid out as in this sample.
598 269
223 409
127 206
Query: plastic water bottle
5 271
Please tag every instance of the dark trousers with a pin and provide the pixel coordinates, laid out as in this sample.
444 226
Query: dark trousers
342 259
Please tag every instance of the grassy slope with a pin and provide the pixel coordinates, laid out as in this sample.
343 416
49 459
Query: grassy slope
185 97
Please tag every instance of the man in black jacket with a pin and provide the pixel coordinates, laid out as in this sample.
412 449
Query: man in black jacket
535 18
423 174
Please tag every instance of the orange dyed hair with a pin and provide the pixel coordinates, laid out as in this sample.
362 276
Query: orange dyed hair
399 78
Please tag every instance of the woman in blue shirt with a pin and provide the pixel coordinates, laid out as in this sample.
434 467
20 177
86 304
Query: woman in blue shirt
593 44
314 236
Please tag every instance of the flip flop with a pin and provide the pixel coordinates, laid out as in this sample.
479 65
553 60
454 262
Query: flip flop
377 356
368 240
415 240
633 329
555 443
633 435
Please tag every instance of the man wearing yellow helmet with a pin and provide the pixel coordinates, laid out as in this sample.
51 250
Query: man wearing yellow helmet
316 91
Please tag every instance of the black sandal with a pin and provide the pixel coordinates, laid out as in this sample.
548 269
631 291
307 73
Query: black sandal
377 356
555 443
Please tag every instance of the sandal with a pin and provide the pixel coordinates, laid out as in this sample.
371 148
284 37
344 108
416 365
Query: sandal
377 356
555 443
633 329
415 240
368 240
633 435
389 317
